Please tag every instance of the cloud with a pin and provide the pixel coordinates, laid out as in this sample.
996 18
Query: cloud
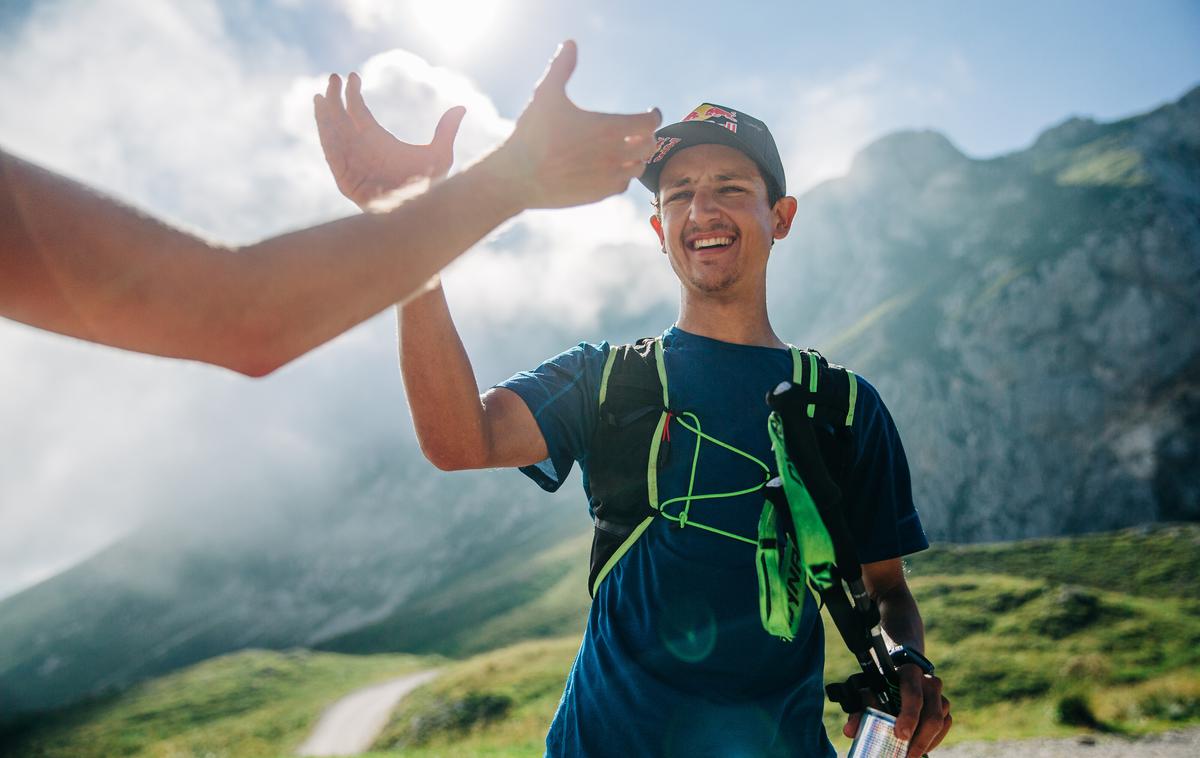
169 110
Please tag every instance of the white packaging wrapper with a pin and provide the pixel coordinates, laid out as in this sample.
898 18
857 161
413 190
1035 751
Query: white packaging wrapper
876 737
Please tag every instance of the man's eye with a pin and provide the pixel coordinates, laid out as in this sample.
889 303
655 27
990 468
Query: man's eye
678 196
729 190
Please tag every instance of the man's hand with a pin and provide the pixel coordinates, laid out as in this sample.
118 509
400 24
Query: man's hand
366 160
559 155
924 716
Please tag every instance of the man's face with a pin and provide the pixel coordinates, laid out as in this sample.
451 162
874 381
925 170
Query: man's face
714 221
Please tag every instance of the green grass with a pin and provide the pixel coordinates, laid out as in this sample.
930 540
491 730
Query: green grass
535 591
252 703
1020 632
1037 638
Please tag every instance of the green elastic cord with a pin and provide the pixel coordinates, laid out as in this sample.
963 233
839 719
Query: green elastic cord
608 367
853 396
813 541
682 519
812 382
624 548
661 365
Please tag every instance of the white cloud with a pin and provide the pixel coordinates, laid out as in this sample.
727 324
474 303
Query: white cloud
160 105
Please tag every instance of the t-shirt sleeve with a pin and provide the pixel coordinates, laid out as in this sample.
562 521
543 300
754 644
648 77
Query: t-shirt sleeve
563 394
880 485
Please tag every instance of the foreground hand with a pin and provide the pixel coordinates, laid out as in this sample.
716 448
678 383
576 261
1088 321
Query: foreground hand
366 160
924 716
559 155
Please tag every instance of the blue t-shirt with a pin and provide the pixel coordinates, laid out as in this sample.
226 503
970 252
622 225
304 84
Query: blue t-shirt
674 660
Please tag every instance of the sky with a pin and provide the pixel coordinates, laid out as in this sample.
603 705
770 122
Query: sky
201 112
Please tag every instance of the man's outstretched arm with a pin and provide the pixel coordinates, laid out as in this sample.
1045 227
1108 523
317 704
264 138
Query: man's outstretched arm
79 263
456 426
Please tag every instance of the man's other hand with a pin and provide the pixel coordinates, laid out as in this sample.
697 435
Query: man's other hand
560 155
924 716
366 160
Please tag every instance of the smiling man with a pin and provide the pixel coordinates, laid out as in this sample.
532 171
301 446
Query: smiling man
675 659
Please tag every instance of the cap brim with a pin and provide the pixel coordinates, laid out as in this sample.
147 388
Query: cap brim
691 134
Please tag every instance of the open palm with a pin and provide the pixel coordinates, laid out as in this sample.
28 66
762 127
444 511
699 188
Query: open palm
366 160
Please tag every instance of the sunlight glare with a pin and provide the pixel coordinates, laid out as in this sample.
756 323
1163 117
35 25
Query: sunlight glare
458 25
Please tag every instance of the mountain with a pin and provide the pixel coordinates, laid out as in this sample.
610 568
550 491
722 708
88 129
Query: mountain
291 575
1030 320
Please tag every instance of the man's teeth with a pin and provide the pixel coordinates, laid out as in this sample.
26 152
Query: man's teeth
712 242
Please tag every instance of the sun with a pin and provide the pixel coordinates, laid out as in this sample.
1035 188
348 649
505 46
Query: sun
456 26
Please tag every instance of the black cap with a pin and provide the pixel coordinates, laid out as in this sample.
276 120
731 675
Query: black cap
712 124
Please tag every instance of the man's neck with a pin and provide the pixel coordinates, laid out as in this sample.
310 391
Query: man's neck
739 320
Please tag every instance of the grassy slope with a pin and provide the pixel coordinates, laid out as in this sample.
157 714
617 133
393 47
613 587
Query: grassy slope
1018 630
252 703
538 591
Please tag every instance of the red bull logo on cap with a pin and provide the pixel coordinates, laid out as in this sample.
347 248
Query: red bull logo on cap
716 114
664 146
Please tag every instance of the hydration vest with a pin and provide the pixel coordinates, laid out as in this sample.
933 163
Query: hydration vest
632 442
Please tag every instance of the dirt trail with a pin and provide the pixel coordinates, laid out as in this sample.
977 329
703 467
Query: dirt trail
1181 744
350 725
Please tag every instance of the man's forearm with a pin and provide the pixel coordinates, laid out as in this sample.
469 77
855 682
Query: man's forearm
440 384
901 618
77 262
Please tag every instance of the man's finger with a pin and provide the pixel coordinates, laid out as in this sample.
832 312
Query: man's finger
628 124
554 81
851 727
447 127
922 741
356 106
638 148
333 91
329 134
443 140
946 724
912 700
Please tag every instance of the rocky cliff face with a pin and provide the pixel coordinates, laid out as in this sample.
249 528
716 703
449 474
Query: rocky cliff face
1033 320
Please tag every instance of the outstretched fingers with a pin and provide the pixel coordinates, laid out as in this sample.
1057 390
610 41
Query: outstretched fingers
443 139
332 123
562 65
356 106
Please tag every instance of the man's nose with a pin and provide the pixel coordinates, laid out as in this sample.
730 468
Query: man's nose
704 207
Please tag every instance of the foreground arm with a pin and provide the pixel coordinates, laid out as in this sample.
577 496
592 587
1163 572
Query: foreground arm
76 262
924 711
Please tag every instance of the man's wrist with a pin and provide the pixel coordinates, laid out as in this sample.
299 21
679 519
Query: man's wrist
504 176
902 656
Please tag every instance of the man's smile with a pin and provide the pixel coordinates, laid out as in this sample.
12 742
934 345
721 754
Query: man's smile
712 242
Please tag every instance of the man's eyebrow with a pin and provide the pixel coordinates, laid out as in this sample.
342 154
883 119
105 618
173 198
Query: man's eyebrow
724 176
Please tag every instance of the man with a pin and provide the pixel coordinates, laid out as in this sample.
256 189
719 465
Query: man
675 659
78 263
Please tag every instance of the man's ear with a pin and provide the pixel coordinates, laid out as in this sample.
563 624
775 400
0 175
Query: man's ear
656 222
784 212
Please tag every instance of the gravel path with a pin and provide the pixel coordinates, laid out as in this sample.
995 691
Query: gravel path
350 725
1180 744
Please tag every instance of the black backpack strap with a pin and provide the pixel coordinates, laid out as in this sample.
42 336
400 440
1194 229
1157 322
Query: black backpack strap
632 409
